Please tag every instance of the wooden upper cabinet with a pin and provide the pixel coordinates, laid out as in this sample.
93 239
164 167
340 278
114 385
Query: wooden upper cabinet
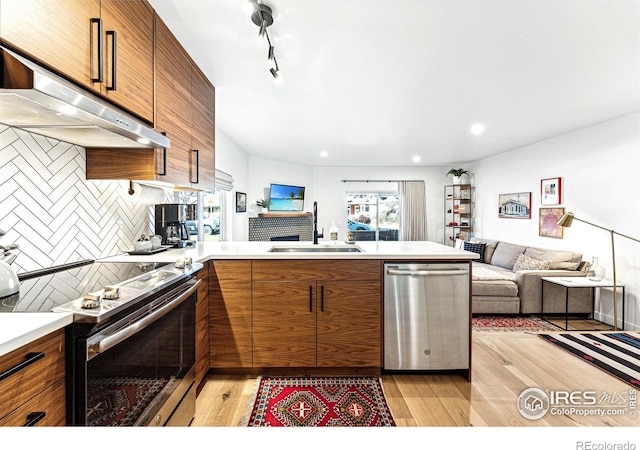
203 130
58 33
185 111
173 105
105 46
128 55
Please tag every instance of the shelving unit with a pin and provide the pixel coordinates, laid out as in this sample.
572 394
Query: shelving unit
458 212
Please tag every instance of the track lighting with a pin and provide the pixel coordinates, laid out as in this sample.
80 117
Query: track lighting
262 16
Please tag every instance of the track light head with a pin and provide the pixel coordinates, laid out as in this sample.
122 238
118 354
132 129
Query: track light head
274 72
271 53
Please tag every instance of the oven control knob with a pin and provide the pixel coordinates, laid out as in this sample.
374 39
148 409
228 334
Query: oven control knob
180 264
111 292
188 260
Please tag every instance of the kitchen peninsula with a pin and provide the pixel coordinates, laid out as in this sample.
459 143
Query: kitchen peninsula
244 272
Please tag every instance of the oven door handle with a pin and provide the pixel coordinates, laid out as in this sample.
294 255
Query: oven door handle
101 343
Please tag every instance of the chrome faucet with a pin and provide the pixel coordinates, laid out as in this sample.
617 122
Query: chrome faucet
315 224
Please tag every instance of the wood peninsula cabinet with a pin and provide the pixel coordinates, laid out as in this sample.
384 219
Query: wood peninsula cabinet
317 313
103 45
230 314
32 383
202 325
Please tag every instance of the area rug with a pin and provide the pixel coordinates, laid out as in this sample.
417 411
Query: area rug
511 323
319 402
121 401
614 352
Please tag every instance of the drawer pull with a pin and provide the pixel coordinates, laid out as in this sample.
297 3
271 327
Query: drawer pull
30 358
34 417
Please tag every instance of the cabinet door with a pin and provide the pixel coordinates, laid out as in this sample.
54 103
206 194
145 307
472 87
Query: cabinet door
230 314
173 105
284 324
202 325
128 55
203 131
47 409
58 33
349 324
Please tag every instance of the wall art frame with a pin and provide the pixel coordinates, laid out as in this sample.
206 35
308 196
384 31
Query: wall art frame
548 223
514 206
241 202
551 191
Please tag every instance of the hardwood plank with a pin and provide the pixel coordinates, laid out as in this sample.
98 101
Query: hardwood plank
505 363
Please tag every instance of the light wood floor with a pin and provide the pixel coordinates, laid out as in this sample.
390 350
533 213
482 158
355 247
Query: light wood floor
503 365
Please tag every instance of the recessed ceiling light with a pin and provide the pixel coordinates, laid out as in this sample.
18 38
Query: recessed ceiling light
477 128
324 153
416 158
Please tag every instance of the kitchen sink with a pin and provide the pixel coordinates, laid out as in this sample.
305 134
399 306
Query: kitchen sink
317 248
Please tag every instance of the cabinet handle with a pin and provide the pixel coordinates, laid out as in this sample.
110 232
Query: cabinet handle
98 33
197 157
310 298
34 417
164 158
30 358
114 57
322 298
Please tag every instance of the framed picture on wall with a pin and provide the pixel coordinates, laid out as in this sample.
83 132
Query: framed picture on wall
548 223
515 206
551 191
241 202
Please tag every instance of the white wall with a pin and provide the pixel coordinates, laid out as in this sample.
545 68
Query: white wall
233 160
599 167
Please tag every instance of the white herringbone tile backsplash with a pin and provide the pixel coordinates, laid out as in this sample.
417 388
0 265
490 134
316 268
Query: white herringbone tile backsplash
56 215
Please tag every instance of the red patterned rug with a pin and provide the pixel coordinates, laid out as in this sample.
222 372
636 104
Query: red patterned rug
511 323
319 402
121 401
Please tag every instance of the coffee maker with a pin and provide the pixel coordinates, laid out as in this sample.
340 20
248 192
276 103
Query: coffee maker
171 223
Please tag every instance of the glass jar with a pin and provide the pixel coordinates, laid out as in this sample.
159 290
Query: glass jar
595 271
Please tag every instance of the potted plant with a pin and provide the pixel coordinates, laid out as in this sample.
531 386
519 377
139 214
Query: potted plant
458 175
263 203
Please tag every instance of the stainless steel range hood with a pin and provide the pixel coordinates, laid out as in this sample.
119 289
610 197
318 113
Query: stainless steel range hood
37 100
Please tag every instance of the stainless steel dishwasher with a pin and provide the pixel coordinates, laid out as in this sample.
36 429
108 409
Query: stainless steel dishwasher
426 316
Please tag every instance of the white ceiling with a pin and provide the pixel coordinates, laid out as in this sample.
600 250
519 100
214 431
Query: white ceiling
375 82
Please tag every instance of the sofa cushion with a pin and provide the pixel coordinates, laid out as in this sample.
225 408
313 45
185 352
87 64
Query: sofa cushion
526 263
490 246
475 248
559 259
506 255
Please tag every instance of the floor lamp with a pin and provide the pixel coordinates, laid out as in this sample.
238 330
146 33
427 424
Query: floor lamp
566 220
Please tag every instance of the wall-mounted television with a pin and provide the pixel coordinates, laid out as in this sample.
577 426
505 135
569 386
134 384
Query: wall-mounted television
284 197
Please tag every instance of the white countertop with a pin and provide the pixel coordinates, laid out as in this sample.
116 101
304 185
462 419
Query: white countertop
20 328
391 250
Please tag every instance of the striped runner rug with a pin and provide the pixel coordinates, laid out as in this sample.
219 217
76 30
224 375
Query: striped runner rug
617 353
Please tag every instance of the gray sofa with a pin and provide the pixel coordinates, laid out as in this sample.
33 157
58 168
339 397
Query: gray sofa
504 282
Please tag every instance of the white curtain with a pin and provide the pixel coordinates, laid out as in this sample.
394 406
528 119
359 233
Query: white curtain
413 211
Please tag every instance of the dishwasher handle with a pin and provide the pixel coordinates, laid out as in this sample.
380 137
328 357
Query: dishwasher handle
426 273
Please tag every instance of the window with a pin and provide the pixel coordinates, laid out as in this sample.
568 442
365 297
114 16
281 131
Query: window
209 209
373 216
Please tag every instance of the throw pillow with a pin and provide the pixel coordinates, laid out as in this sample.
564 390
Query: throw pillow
506 255
475 248
525 263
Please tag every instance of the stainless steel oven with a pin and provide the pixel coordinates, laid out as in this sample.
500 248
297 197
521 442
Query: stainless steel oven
131 347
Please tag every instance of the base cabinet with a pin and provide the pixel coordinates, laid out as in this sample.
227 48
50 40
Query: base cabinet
230 314
202 325
32 383
317 313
